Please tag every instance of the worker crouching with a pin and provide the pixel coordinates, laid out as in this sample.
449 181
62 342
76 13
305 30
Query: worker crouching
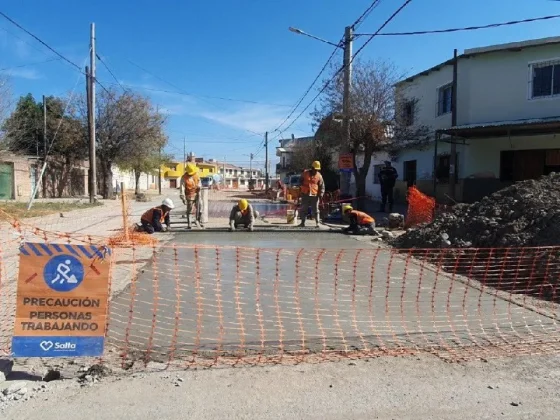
360 223
244 215
154 219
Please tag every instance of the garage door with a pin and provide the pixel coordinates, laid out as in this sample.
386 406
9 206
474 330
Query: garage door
6 181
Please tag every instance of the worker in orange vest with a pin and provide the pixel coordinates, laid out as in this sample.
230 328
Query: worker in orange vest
312 189
154 219
190 190
360 223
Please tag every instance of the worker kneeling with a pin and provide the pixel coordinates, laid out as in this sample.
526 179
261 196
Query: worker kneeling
360 223
154 219
242 214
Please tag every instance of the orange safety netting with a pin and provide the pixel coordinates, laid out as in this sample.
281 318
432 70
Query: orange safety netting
420 207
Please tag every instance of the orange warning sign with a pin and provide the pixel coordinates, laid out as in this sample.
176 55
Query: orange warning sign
345 162
62 300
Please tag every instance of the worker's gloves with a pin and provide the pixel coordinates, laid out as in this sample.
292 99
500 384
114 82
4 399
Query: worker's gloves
250 228
232 227
164 229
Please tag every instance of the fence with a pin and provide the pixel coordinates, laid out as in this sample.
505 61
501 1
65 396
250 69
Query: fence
212 305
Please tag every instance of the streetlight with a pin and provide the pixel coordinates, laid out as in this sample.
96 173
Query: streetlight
346 46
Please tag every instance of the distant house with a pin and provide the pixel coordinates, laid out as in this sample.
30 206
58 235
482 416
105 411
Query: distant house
285 152
507 119
237 177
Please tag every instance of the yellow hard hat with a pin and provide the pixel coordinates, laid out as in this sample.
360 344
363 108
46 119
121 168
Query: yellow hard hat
243 204
191 169
346 208
316 165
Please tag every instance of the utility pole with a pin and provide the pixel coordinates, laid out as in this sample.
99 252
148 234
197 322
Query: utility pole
347 65
184 151
453 154
92 140
159 172
44 142
266 160
251 156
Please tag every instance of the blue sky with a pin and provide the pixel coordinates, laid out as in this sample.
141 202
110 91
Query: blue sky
237 49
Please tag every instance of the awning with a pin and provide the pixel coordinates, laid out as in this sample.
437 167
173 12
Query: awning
527 127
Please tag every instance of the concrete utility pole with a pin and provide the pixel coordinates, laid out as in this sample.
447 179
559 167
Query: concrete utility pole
92 140
251 156
347 65
266 160
453 153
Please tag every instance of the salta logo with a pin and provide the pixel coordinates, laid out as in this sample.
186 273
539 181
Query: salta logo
47 345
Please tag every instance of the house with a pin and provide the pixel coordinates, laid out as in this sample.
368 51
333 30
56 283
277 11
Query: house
285 152
171 173
504 128
237 177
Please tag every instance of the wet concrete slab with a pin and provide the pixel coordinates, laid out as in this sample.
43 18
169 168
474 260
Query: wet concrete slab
264 293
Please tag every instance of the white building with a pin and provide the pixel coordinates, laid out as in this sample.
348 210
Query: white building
145 182
285 151
507 119
237 177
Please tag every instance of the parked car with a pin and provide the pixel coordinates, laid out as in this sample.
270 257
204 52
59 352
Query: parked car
207 181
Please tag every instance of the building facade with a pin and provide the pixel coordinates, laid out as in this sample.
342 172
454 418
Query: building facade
507 119
285 152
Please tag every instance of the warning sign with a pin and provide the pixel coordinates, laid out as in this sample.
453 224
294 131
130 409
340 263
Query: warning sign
62 300
345 162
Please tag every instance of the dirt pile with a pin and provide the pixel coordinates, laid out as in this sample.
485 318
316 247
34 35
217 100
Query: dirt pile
524 214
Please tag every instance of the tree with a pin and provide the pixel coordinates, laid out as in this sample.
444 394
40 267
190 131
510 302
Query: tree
376 121
5 103
304 153
128 133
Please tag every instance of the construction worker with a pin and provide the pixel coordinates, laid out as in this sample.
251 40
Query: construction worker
387 178
242 214
153 219
190 190
360 223
312 189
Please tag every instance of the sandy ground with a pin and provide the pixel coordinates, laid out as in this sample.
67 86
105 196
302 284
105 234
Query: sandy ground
384 388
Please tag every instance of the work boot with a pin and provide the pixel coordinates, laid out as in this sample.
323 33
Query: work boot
188 221
317 221
302 224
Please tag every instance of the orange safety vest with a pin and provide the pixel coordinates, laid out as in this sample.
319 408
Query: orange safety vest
363 218
148 216
310 184
191 185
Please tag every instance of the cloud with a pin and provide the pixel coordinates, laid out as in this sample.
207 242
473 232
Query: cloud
256 118
21 73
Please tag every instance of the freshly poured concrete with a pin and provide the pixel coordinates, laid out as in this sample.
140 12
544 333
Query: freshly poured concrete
305 291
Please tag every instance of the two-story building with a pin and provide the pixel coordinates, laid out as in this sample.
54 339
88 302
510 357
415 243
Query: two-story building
237 177
507 117
285 152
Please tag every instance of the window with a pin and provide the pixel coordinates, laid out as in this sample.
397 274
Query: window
443 167
545 79
376 170
445 93
410 172
408 113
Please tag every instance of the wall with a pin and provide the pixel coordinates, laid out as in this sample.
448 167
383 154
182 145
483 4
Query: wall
495 86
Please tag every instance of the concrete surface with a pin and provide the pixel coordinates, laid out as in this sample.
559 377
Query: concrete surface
384 388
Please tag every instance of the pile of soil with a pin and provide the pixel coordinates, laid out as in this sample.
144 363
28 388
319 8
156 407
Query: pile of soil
524 214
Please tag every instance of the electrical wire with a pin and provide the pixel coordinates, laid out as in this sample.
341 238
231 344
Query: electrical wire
110 72
30 64
466 28
365 15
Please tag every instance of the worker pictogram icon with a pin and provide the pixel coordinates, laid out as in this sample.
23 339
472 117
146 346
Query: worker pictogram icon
63 273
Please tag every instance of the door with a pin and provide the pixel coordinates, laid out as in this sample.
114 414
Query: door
6 181
410 173
172 183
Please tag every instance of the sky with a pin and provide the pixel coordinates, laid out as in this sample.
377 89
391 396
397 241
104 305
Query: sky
226 71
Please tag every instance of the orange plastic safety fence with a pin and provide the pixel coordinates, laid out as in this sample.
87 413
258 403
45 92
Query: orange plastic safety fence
214 305
420 207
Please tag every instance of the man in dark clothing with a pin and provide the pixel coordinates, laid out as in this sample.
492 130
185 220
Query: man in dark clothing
153 219
387 178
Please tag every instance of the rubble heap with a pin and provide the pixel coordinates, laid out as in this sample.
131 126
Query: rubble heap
524 214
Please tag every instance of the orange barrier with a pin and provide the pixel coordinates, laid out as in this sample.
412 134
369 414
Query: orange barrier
207 306
420 207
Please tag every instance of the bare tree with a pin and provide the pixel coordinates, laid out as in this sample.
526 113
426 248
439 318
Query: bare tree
129 131
377 122
306 152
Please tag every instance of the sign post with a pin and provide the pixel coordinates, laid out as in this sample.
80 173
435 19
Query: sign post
62 300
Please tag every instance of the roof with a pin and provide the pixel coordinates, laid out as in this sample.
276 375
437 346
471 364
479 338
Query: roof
531 126
473 52
292 142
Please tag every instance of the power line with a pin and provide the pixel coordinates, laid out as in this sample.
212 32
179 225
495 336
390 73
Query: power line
30 64
365 15
40 40
110 72
394 15
466 28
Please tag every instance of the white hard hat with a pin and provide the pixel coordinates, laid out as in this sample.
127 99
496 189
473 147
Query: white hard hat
168 203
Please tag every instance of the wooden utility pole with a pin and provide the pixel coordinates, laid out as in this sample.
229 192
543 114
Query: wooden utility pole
453 154
44 143
91 113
